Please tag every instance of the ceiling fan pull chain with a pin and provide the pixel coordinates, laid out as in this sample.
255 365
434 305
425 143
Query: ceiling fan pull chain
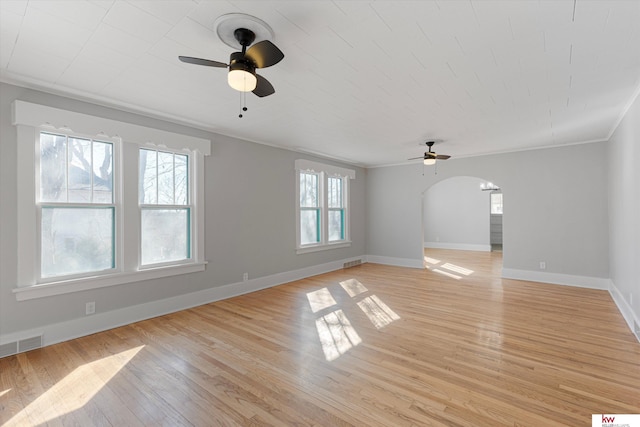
243 100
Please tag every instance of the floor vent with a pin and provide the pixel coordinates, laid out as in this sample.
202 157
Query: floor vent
8 349
20 346
29 344
352 263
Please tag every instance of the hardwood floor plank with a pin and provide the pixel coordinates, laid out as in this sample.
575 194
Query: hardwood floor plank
371 345
12 403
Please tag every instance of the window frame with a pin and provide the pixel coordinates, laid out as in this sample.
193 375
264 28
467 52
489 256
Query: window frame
491 204
342 209
324 173
31 119
188 206
115 205
317 209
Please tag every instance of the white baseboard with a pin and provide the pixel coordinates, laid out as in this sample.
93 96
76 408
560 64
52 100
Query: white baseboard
457 246
556 278
579 281
398 262
87 325
624 308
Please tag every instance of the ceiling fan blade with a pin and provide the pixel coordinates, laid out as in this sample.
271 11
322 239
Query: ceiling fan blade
264 54
442 157
421 157
200 61
263 87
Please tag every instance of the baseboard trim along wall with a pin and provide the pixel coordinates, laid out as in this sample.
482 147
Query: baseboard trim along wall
76 328
556 278
624 308
458 246
64 331
87 325
604 284
398 262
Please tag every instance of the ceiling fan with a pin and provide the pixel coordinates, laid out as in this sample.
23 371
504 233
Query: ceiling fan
430 157
242 65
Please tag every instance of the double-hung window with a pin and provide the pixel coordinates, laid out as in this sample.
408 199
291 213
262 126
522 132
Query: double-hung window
322 207
75 206
336 209
102 202
310 218
165 211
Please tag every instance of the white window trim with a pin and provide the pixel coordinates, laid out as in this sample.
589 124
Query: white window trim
308 165
31 119
325 171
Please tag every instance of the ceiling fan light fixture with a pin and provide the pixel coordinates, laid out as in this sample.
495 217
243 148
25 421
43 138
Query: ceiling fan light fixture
242 80
429 161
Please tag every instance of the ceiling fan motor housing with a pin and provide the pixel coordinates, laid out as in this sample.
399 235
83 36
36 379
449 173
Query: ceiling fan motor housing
238 61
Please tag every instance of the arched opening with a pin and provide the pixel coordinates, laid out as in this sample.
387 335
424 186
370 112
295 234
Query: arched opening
462 214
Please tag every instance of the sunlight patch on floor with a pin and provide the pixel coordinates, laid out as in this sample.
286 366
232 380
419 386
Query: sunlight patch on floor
457 269
353 287
320 299
75 390
336 334
2 393
377 311
446 268
445 273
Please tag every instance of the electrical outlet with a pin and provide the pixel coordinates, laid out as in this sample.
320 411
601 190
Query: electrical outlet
245 277
90 308
543 265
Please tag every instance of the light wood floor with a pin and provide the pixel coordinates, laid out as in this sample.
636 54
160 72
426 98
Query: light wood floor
451 346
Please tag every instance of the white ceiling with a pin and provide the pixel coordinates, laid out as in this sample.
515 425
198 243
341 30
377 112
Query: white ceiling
362 81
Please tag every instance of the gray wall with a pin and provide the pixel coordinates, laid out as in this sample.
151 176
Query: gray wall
624 210
456 212
250 220
563 205
555 207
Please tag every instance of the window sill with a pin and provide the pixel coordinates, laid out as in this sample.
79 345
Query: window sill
317 248
88 283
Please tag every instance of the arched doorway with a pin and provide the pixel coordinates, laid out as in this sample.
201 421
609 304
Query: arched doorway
462 213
